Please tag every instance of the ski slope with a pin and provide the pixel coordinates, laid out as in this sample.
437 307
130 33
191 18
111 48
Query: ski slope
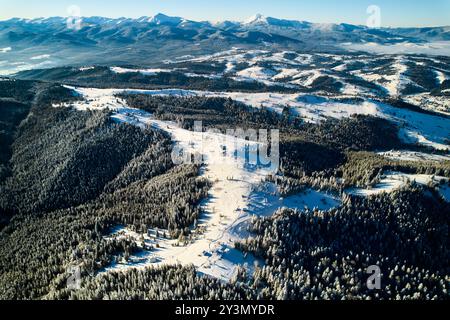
231 203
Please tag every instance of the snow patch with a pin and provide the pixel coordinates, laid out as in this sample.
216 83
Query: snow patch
395 180
413 156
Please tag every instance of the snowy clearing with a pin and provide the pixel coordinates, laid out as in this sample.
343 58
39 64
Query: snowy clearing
391 181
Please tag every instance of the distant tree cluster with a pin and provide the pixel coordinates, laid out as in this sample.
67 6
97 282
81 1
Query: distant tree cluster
103 77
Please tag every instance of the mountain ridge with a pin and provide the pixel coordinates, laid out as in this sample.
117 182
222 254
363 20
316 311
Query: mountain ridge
161 18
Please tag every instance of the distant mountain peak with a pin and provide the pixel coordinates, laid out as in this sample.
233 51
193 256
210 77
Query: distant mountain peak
161 18
256 19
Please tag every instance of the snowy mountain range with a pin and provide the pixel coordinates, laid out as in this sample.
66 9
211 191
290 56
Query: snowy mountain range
162 26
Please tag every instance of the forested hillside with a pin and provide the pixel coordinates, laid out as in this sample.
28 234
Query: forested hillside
324 255
315 255
103 77
71 178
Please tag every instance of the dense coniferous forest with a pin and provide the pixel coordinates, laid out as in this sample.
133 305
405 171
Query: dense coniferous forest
13 113
166 283
73 156
103 77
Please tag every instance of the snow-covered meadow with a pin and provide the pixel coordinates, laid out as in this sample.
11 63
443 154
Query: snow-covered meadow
240 192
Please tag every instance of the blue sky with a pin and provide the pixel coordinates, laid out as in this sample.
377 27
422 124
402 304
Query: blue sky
393 12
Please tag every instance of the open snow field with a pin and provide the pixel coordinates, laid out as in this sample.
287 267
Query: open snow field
391 181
